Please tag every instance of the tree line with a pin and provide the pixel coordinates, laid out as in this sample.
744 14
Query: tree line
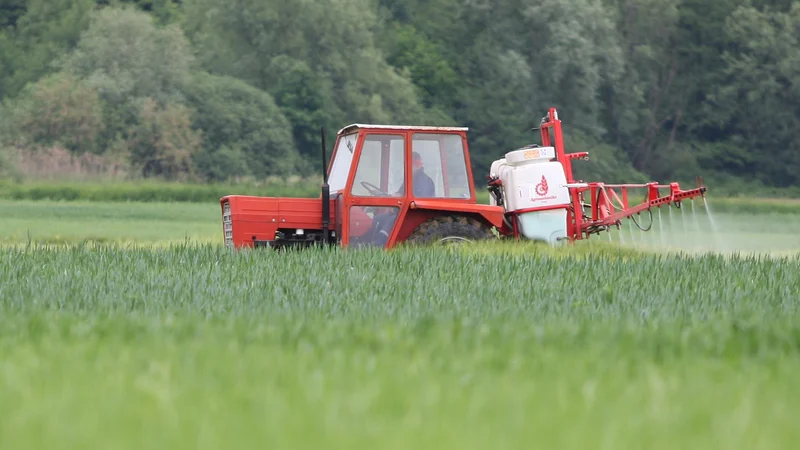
214 89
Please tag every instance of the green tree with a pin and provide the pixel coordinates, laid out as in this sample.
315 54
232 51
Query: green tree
644 106
163 143
299 93
493 105
164 11
759 102
127 58
575 53
57 110
428 69
45 32
675 86
124 55
245 133
333 38
699 42
11 11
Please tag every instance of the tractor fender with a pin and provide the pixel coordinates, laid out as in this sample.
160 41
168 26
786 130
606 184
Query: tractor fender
492 215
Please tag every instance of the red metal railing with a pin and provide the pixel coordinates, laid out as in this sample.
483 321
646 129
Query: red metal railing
607 207
610 203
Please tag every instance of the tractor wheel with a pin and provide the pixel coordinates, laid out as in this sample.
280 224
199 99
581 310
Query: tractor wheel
449 230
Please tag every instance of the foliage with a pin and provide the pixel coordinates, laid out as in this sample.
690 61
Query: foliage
120 88
57 110
415 348
409 50
163 142
243 38
584 30
46 31
677 88
298 92
165 11
244 131
11 11
460 287
643 105
151 190
124 55
762 92
606 163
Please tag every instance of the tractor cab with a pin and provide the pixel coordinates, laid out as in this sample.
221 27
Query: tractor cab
379 172
385 184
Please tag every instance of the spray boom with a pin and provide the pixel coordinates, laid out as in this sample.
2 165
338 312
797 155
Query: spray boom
543 201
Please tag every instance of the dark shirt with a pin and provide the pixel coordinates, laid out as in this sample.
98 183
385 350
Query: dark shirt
423 185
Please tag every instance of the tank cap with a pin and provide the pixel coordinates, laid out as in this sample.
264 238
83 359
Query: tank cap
525 155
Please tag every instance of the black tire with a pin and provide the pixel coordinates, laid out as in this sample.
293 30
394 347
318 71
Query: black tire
449 229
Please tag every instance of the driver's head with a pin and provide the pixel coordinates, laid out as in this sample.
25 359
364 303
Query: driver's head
416 161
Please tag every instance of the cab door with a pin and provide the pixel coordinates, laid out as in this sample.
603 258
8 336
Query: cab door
377 192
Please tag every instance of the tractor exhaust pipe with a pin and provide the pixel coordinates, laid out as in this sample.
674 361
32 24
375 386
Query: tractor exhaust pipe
326 193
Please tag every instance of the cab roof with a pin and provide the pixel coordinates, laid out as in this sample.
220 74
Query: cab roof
362 126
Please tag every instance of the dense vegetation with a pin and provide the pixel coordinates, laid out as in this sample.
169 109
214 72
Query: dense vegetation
198 347
208 90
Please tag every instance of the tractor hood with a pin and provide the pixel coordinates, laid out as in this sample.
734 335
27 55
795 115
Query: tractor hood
252 218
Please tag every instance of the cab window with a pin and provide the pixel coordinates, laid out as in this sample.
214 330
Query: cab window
381 167
340 167
443 160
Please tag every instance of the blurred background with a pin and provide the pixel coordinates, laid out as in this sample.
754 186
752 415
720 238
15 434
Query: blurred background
235 91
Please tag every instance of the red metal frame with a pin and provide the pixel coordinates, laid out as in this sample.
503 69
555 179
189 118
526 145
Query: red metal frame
410 207
603 213
259 218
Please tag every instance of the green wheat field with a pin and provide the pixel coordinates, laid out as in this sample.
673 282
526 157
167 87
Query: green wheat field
129 326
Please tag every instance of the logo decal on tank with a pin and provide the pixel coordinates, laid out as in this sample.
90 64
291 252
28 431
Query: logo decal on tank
541 187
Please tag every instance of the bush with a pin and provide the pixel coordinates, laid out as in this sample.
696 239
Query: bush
244 131
152 191
126 56
606 163
163 143
56 110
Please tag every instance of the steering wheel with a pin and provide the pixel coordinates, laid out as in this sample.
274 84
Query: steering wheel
374 190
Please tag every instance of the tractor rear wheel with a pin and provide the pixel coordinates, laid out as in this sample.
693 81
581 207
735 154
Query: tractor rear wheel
449 230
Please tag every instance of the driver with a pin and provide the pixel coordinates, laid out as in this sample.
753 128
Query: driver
423 187
423 184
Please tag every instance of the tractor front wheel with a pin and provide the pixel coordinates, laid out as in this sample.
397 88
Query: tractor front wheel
448 230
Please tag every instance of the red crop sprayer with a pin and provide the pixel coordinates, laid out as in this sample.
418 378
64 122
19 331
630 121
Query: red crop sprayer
542 201
391 184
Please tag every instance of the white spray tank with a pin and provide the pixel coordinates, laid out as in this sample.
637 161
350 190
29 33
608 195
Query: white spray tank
534 189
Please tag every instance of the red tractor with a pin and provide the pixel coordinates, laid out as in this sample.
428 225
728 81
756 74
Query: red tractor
392 184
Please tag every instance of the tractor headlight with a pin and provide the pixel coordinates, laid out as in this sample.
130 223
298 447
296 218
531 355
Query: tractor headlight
227 224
